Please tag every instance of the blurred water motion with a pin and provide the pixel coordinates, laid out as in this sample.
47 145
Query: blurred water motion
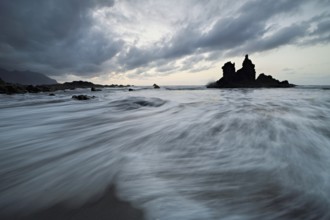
177 153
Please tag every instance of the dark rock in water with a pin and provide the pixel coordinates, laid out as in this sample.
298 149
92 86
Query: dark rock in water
156 86
130 90
51 94
246 78
82 97
132 103
93 89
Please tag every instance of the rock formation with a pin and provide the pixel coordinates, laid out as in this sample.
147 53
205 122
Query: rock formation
246 78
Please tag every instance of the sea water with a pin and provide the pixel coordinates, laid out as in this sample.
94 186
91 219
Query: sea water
178 153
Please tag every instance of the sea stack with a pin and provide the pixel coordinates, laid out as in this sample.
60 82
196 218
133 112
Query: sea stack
246 78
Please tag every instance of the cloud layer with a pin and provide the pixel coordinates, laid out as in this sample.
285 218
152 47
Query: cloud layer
55 36
145 38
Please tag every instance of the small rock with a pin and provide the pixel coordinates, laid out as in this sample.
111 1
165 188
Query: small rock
130 90
82 97
51 94
93 89
156 86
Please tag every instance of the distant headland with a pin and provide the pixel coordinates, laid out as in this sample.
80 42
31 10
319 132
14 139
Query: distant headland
15 82
246 78
10 88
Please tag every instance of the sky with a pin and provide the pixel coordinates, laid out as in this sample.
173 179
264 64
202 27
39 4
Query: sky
173 42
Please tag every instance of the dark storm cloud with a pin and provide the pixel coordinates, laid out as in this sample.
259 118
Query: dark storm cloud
53 35
61 36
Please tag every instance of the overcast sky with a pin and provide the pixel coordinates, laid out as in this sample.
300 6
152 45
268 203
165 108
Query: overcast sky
167 42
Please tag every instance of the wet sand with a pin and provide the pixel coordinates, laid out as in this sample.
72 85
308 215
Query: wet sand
107 207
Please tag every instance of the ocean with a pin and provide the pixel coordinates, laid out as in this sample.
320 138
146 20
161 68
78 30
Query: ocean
177 153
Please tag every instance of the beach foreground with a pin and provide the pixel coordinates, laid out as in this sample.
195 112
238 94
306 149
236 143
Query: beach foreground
173 153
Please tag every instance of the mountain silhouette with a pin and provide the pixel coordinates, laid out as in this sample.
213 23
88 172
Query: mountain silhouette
25 77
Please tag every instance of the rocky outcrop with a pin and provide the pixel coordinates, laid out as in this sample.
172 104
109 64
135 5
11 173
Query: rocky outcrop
246 78
10 88
156 86
79 84
269 81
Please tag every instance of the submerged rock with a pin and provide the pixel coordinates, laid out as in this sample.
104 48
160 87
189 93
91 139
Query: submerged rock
246 78
82 97
132 103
